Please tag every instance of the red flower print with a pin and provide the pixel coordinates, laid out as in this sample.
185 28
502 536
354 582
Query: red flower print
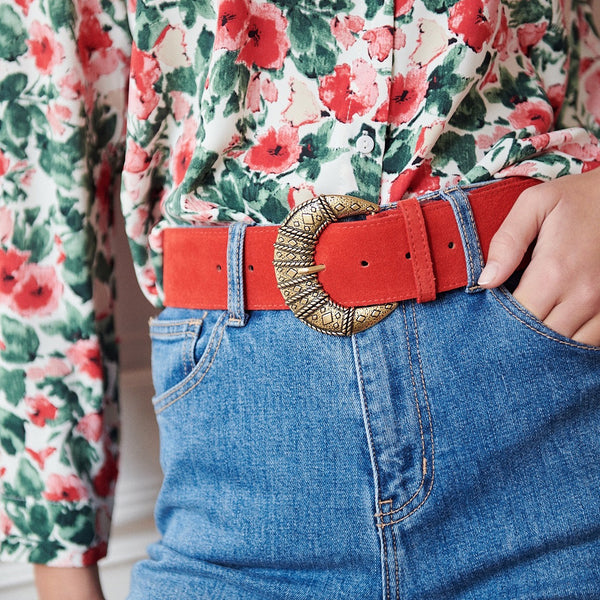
93 555
402 7
344 28
91 38
137 159
533 114
276 151
24 4
145 72
6 230
380 40
406 94
41 456
90 427
57 115
349 91
231 22
184 149
5 523
64 488
4 163
256 30
181 105
300 194
40 410
44 48
265 43
107 476
414 182
592 88
530 34
38 291
469 21
86 356
260 87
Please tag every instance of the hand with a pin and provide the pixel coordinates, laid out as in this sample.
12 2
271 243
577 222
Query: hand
561 284
63 583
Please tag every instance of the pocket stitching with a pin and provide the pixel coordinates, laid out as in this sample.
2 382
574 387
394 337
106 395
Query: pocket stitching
553 336
195 371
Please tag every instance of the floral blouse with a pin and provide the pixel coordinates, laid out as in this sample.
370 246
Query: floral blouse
212 111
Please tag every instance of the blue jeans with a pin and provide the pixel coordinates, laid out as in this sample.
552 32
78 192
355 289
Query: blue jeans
451 451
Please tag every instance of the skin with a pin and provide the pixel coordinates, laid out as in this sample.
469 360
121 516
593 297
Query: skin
561 285
65 583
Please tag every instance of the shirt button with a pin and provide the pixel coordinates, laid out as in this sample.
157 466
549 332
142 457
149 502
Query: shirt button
365 143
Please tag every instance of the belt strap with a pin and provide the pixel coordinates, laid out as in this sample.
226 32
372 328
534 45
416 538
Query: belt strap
367 262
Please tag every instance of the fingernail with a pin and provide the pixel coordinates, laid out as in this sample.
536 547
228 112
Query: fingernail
488 274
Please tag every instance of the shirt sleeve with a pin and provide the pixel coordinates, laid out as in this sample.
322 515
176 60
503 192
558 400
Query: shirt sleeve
581 106
63 74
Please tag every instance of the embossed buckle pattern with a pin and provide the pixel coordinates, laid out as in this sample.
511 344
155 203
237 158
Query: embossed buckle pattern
296 271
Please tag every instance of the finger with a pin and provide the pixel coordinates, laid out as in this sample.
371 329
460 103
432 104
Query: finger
517 232
589 333
569 317
538 291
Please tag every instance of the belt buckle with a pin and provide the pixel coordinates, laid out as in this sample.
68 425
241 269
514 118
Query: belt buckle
296 271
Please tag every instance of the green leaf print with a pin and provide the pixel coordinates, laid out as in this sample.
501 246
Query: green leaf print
526 11
75 326
12 86
12 34
17 119
81 532
12 433
313 44
445 84
439 6
20 340
470 113
62 13
83 455
368 176
192 9
45 551
459 148
12 385
39 521
182 79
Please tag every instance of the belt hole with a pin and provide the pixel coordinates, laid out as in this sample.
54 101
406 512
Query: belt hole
451 245
250 267
219 267
364 263
407 256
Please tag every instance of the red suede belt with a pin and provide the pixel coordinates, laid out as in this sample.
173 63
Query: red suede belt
390 256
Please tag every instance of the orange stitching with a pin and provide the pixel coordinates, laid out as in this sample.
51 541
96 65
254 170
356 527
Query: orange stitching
383 525
416 399
196 368
363 396
558 340
396 566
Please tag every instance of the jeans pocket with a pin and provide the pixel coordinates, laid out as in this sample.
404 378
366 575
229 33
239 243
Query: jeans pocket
521 315
184 346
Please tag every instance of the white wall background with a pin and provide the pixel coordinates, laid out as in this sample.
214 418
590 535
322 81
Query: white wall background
139 480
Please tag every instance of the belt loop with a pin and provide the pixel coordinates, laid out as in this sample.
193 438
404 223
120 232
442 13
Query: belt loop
235 275
419 249
463 213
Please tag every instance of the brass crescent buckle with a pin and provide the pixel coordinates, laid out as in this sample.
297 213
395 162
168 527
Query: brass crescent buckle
296 271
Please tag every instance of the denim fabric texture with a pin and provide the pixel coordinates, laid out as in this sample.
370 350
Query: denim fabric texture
451 451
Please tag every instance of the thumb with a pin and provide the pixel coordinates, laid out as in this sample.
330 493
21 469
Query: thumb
509 244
